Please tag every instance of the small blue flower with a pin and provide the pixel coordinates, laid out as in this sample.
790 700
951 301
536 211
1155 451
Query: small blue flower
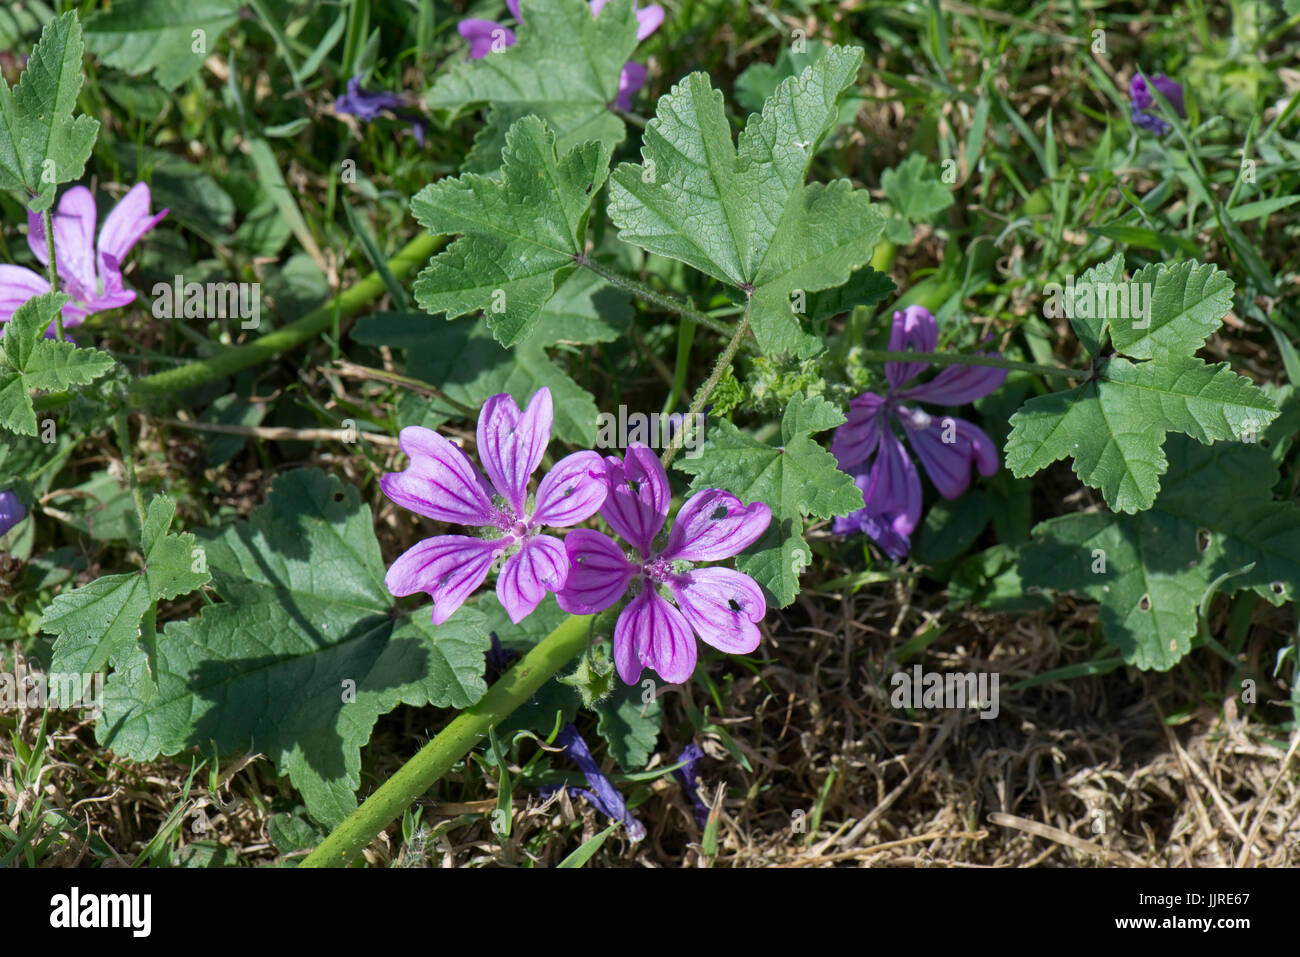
603 796
370 105
1144 112
12 511
687 775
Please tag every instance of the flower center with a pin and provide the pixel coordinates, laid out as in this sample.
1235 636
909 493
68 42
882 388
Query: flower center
918 420
658 569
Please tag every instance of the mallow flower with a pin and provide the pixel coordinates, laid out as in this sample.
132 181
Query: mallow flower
686 776
89 271
603 795
370 105
1144 112
867 448
722 606
12 511
488 36
441 483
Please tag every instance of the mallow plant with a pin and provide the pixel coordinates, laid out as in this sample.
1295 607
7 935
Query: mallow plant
652 568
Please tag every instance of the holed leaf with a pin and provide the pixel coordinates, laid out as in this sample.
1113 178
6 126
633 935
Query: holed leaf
1215 518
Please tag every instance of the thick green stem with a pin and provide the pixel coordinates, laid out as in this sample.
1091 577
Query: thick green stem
957 359
273 343
452 743
645 293
52 267
706 390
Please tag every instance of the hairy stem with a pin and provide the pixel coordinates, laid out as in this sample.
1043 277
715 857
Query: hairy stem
452 743
957 359
52 267
706 390
645 293
123 430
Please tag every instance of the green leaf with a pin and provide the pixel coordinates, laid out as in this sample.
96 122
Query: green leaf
796 479
34 363
1114 425
304 653
465 361
914 196
158 36
1215 516
518 236
629 726
100 622
41 145
744 215
564 69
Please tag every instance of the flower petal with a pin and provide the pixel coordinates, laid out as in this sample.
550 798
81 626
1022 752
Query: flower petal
511 443
855 441
723 606
572 491
449 568
714 525
484 35
648 20
598 573
914 330
540 566
74 239
637 504
440 482
658 635
948 447
957 385
17 285
896 496
12 511
125 224
630 81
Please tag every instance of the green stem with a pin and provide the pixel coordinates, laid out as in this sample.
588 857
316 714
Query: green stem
645 293
124 445
273 343
706 390
52 267
452 743
958 359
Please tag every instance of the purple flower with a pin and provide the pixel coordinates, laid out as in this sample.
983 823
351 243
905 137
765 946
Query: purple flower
603 795
1144 112
488 36
12 511
441 483
370 105
91 274
720 605
867 448
686 776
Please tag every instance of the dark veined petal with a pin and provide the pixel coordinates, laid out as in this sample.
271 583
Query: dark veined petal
511 443
652 633
540 566
572 491
948 447
440 482
855 441
449 568
713 525
598 573
125 224
12 511
914 330
603 795
74 239
17 285
957 385
637 504
723 606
